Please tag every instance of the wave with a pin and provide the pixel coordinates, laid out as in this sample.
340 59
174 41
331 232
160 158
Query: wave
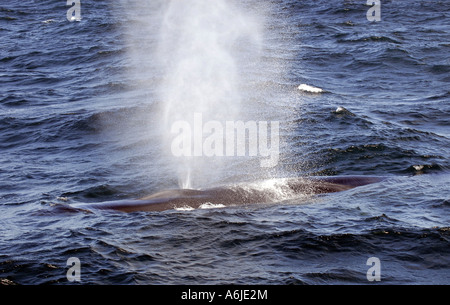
310 89
376 159
369 39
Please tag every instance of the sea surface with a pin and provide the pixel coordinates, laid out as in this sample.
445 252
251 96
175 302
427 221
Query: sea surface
79 108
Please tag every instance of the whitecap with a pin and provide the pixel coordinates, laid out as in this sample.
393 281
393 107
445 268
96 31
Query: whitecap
310 89
418 167
75 18
342 110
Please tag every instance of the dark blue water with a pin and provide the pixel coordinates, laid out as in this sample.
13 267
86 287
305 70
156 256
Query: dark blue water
76 126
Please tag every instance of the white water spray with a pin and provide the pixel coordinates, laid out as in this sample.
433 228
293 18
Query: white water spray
198 57
202 48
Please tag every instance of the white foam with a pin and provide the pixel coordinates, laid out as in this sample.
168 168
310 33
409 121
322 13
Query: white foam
340 109
310 89
209 205
75 18
418 167
203 206
185 208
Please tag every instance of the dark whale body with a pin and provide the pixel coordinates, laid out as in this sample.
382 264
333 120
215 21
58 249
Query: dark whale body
265 191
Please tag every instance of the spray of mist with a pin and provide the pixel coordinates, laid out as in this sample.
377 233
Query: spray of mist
202 46
195 56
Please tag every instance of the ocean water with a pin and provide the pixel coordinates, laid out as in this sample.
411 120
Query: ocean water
80 108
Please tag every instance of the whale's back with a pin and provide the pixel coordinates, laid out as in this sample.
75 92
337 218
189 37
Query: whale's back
265 191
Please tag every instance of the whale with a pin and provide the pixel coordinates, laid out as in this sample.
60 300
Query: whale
236 194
